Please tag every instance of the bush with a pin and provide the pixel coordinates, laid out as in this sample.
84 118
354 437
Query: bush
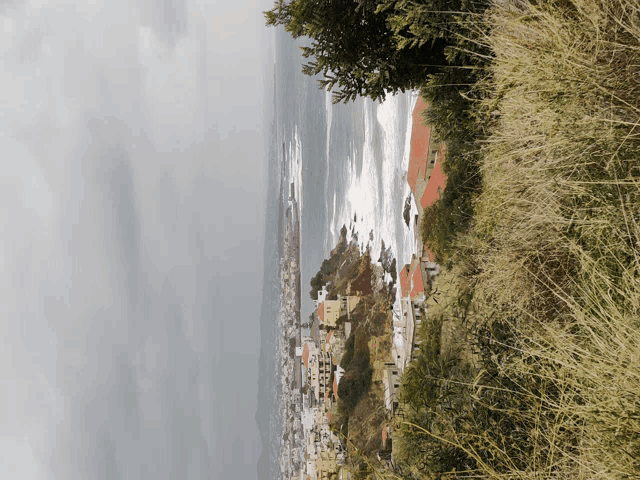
352 386
357 377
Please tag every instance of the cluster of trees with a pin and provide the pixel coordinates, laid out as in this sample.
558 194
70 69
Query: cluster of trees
377 47
357 377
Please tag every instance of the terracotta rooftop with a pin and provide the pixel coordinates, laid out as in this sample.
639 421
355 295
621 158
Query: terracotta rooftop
329 335
321 311
417 286
437 182
305 355
429 254
335 386
405 281
384 432
420 137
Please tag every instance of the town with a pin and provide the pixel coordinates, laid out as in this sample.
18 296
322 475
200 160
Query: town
361 337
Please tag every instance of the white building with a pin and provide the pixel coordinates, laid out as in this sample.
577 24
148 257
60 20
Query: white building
322 295
404 330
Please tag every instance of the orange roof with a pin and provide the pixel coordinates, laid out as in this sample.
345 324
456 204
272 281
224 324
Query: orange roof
329 335
428 253
417 286
437 182
335 386
321 311
420 137
405 281
384 432
305 355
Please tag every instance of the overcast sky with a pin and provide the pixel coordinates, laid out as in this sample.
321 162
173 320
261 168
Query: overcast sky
131 217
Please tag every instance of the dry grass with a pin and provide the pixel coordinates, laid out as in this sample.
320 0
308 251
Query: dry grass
553 259
555 248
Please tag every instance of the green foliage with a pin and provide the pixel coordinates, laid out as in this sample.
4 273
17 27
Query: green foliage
347 356
376 47
488 416
457 121
357 377
352 386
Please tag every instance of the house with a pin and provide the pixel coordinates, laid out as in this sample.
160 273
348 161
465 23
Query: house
404 330
412 311
425 176
337 376
330 310
348 304
391 382
322 295
326 463
411 280
324 374
310 361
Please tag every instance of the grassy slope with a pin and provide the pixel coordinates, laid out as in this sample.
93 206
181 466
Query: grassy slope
552 259
372 319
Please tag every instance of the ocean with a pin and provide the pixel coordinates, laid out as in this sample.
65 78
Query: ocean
348 164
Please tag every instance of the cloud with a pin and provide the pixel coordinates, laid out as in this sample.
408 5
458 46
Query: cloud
167 18
107 167
119 173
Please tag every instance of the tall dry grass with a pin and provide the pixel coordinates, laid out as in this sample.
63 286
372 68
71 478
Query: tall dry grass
555 247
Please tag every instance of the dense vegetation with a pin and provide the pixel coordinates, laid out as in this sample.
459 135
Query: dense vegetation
357 376
376 47
529 362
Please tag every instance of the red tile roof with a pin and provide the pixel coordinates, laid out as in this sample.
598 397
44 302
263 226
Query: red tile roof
436 183
417 286
429 254
384 432
335 386
420 137
405 281
321 311
305 355
329 335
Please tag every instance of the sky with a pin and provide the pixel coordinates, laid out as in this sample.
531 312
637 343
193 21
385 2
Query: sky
131 237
